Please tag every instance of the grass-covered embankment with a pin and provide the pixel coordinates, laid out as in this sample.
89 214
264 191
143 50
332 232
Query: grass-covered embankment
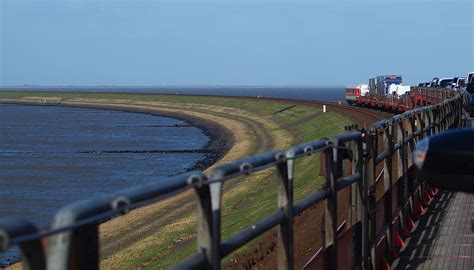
162 234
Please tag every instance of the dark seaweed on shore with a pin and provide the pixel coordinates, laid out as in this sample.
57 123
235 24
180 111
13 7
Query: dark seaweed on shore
219 143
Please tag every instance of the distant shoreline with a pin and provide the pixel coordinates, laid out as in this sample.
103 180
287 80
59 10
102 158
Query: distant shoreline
7 87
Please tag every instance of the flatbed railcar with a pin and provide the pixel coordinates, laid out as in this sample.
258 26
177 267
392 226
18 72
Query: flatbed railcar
417 97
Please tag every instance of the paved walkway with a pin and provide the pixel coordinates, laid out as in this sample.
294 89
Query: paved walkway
443 238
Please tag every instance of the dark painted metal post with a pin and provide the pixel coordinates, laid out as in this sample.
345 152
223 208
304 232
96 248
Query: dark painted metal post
459 112
33 256
74 249
427 121
432 122
443 117
216 197
420 125
436 120
86 247
330 213
402 158
367 173
352 207
372 174
357 211
285 202
387 176
208 219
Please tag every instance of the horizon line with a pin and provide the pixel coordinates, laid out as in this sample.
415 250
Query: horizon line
171 85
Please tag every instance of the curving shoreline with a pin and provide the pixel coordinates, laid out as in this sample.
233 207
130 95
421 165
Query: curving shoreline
220 141
223 126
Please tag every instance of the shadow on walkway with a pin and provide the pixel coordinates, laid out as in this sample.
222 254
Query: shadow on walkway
443 237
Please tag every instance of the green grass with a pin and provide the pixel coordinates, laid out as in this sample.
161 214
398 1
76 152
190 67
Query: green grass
256 197
251 105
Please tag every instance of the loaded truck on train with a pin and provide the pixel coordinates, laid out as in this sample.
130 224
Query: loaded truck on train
380 85
387 92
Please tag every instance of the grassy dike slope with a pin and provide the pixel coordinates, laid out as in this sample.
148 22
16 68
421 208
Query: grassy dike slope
162 234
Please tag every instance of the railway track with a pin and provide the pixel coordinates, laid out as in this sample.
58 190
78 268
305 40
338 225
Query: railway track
362 116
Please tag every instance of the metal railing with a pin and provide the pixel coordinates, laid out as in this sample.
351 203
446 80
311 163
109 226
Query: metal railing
377 213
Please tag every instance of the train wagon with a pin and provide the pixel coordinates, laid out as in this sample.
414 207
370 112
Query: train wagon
353 93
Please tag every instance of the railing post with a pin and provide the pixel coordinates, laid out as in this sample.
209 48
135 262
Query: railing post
285 201
424 121
284 177
367 176
451 114
432 121
410 184
74 249
419 125
208 221
402 157
387 176
371 200
443 118
356 204
436 119
427 122
458 104
330 212
410 129
33 257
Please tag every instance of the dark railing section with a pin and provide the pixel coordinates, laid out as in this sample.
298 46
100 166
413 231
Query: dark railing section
380 210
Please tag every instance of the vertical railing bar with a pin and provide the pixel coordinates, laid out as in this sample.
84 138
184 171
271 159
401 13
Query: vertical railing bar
216 198
74 249
432 122
402 158
358 167
208 220
330 213
388 208
410 148
372 197
32 251
367 173
427 120
436 120
285 171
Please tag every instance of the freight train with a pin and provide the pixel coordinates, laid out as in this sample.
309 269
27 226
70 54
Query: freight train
387 93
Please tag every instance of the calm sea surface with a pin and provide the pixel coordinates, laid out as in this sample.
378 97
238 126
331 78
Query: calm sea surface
51 156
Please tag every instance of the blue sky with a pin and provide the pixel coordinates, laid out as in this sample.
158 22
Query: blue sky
146 42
